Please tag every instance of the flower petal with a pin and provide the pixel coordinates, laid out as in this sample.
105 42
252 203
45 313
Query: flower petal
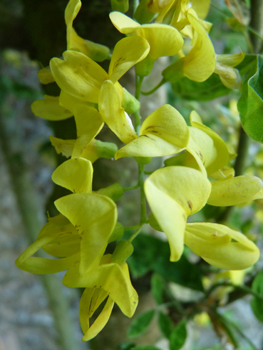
220 246
126 54
94 216
75 175
235 191
164 132
173 194
78 75
113 114
50 109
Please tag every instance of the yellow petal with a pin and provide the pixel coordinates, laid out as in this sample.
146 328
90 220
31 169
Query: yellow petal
220 150
173 194
89 123
70 102
126 54
123 23
220 246
167 123
163 40
74 174
50 109
235 191
201 7
91 331
200 61
112 278
65 147
113 114
50 232
78 75
94 216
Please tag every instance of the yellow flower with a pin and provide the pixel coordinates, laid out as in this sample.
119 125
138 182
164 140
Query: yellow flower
200 62
163 40
109 279
173 194
85 236
162 133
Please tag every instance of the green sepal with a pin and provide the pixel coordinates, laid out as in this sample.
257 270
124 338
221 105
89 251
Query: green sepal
105 149
123 250
114 191
142 14
120 5
130 103
144 67
143 160
117 233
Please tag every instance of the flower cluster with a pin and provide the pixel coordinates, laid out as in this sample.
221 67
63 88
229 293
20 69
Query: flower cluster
195 174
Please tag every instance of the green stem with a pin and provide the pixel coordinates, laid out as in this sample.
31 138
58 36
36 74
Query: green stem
125 189
137 115
136 233
245 289
154 89
143 198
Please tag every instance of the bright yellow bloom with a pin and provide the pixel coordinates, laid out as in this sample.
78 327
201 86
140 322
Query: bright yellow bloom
162 133
109 279
88 220
173 194
163 40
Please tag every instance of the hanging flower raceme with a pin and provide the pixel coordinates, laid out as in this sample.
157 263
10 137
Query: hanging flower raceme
163 40
84 228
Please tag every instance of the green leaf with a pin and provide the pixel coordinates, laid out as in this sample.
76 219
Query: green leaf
165 324
140 324
157 287
153 254
126 346
205 91
178 336
250 104
256 304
